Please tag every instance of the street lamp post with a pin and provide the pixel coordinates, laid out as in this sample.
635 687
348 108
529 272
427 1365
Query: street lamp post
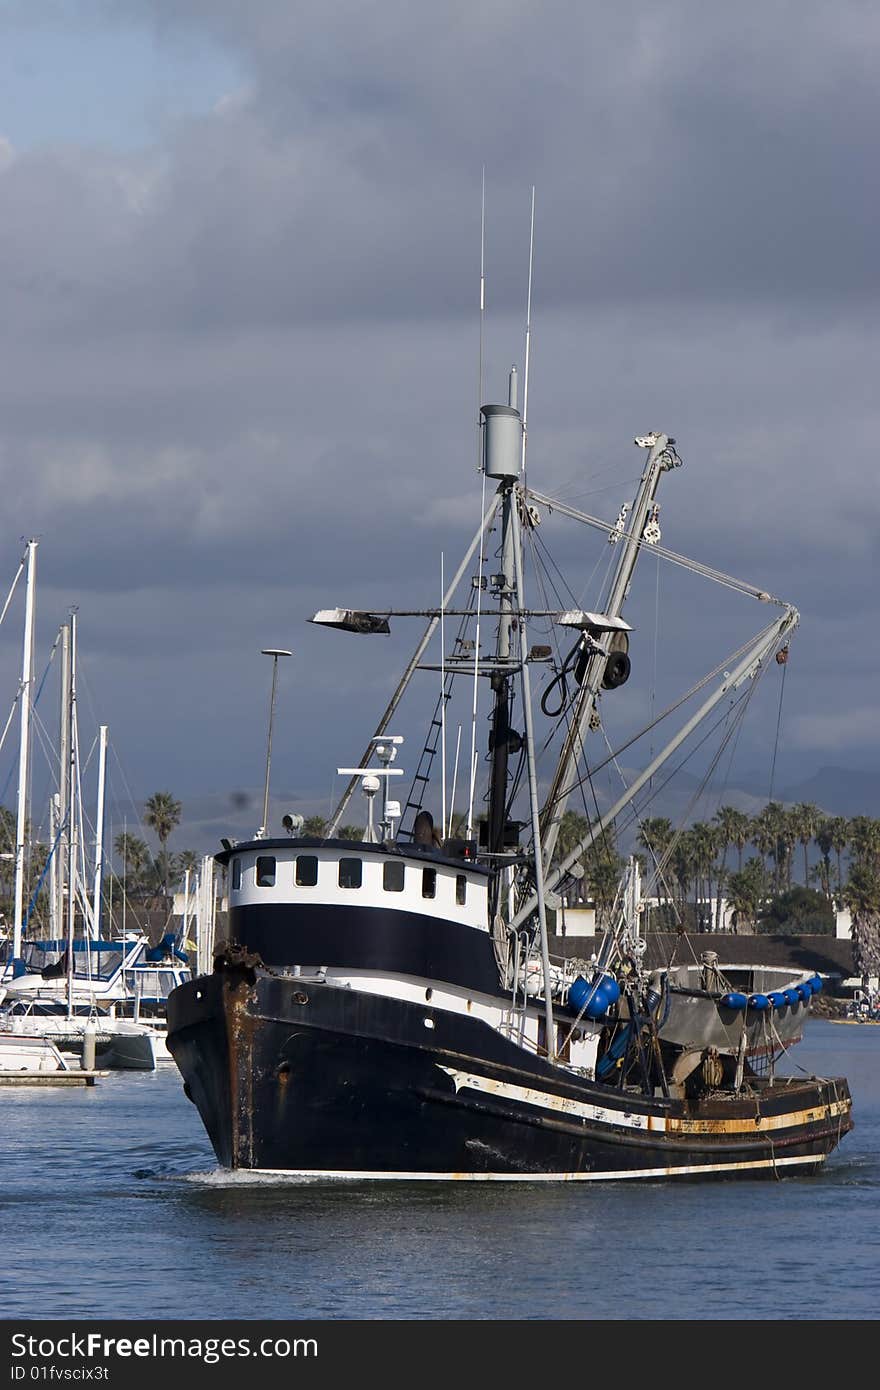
274 652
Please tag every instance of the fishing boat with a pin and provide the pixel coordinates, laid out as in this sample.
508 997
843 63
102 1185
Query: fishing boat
388 1008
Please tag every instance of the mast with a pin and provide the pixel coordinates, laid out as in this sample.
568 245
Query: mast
661 457
99 834
72 754
24 744
53 865
63 781
503 458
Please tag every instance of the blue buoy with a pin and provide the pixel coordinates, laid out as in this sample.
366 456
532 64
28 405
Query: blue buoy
578 991
792 997
734 1000
759 1001
611 988
777 998
594 999
804 992
816 982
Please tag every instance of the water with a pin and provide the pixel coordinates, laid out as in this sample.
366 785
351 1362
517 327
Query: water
113 1207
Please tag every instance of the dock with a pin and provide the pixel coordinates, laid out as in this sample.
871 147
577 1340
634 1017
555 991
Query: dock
72 1077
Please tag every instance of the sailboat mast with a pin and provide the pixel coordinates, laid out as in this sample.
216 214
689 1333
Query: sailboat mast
63 852
24 744
72 816
660 458
99 833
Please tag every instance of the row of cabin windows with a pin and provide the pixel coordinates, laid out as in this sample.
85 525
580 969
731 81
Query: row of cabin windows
350 875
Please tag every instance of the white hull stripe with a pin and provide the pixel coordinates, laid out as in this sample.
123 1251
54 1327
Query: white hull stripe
367 1175
622 1119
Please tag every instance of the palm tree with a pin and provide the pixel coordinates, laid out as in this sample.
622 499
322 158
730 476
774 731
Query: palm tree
162 814
740 834
805 819
862 897
682 862
788 838
186 859
864 839
134 854
603 867
733 829
746 891
839 833
704 847
771 836
656 834
825 840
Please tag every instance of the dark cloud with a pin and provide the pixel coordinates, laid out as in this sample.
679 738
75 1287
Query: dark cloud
240 367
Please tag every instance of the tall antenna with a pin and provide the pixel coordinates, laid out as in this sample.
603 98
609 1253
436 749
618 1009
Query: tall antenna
473 770
525 409
482 301
443 693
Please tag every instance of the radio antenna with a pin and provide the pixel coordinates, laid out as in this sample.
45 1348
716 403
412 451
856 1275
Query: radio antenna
473 770
525 409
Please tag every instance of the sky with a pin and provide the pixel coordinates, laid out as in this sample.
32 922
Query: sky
239 277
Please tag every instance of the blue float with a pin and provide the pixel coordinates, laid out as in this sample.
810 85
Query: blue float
777 998
594 999
735 1000
792 997
759 1002
804 992
816 982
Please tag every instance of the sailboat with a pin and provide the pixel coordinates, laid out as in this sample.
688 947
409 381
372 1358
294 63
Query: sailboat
388 1008
67 990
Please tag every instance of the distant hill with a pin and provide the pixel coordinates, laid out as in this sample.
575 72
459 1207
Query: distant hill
207 816
839 791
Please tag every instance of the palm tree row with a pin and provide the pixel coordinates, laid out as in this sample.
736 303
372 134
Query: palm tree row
140 873
804 859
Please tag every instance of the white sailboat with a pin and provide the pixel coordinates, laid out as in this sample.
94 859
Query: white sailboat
69 988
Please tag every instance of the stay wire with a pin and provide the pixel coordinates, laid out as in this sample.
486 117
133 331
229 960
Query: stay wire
670 709
778 723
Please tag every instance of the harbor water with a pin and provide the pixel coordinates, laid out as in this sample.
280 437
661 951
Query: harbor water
113 1207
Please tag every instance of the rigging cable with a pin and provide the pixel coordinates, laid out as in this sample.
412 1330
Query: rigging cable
782 653
566 703
670 709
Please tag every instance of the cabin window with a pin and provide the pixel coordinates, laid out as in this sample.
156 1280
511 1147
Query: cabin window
461 889
265 870
350 871
392 876
236 875
429 883
306 870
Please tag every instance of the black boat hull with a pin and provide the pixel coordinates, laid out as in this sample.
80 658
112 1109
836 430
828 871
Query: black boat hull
303 1077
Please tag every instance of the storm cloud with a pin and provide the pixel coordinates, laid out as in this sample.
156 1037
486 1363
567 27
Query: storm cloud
240 362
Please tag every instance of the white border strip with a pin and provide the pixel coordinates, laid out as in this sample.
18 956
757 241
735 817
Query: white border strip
680 1126
366 1175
